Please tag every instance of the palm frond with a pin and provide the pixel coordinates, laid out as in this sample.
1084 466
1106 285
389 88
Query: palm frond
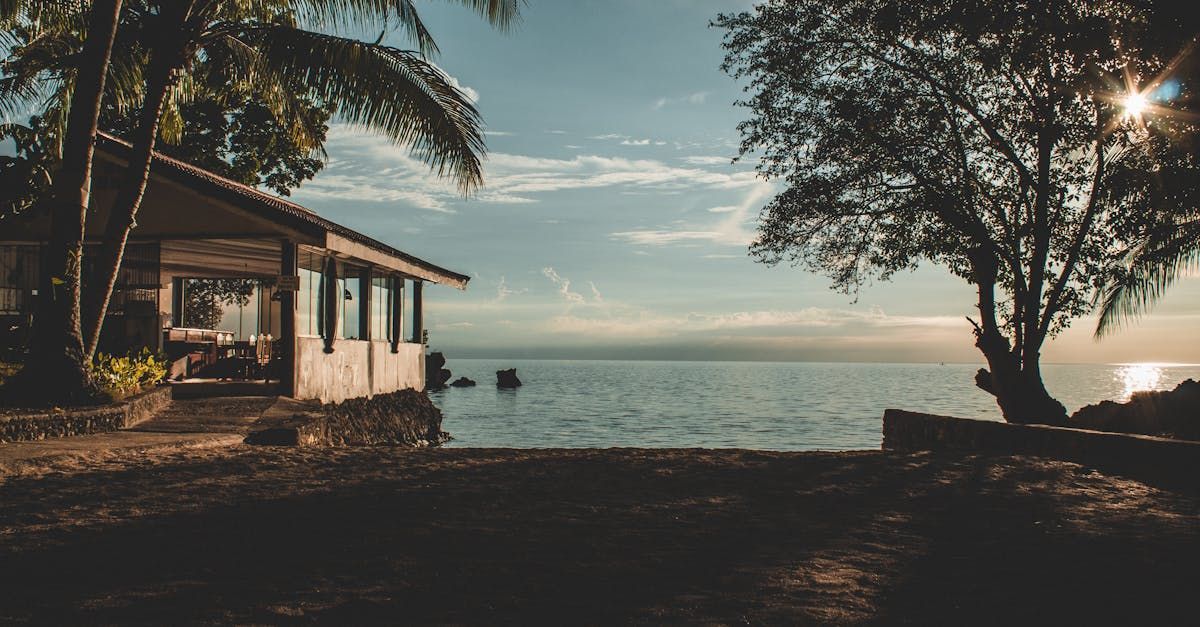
1145 273
367 15
503 14
386 90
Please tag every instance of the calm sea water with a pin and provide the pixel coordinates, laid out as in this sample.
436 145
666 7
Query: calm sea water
771 406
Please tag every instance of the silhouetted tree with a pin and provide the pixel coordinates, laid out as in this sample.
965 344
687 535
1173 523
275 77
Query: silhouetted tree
980 136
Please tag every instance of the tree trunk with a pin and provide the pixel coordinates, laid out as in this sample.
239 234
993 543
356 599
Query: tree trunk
1020 392
1013 376
123 216
57 369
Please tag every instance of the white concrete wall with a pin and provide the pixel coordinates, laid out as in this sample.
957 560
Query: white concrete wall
356 368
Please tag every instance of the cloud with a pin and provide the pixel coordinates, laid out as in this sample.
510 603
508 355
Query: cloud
370 168
697 98
608 136
564 287
499 133
731 230
503 291
595 293
556 132
470 93
659 238
635 142
646 324
706 160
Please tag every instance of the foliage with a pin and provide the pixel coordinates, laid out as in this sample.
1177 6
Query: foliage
7 370
127 375
204 300
983 137
278 54
25 176
240 138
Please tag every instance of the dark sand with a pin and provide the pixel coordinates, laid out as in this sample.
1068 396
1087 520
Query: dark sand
243 535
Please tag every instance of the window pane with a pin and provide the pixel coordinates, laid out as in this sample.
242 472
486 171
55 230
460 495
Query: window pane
350 288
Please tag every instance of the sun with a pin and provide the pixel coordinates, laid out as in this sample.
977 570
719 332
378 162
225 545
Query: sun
1135 105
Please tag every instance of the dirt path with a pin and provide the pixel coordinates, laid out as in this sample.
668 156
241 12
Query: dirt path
476 536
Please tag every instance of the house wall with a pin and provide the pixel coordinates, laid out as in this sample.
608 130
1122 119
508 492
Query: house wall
356 369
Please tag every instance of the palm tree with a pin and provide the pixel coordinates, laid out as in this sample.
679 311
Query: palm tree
1143 274
278 48
399 93
57 370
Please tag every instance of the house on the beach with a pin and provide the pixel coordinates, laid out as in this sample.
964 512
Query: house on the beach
319 311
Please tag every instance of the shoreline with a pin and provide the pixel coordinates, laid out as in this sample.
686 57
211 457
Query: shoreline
490 536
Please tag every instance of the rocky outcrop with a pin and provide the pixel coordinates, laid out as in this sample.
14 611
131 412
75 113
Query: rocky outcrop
507 379
1174 413
403 418
462 382
436 375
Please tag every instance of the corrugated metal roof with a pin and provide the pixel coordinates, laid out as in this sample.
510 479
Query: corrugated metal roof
272 207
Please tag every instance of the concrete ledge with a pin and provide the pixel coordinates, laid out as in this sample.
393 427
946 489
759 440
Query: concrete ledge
27 427
1147 458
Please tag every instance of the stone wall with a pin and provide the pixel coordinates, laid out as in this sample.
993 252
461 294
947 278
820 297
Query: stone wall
356 369
403 418
39 425
1161 460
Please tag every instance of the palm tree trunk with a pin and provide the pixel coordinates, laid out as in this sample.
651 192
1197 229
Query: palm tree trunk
123 216
57 370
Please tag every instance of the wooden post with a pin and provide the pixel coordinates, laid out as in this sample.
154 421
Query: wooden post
397 292
287 321
418 328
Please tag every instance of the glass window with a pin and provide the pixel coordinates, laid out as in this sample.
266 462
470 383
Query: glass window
381 308
307 299
350 287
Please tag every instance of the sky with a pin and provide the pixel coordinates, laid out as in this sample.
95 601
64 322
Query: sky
613 225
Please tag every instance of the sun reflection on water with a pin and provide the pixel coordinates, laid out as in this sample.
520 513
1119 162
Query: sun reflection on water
1138 378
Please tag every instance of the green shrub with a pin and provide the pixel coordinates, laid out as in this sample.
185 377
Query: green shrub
124 376
7 370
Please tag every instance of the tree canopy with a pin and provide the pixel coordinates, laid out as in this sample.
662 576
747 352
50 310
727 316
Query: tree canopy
989 138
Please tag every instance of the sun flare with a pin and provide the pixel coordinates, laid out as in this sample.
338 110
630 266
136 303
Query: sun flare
1135 105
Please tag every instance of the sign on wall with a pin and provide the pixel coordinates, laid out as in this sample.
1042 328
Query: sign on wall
287 283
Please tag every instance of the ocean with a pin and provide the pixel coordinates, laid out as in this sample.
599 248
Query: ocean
769 406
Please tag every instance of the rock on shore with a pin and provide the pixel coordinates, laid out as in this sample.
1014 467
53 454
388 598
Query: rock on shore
436 374
1174 413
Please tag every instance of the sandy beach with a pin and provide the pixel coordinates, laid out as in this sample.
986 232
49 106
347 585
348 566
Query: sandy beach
482 536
